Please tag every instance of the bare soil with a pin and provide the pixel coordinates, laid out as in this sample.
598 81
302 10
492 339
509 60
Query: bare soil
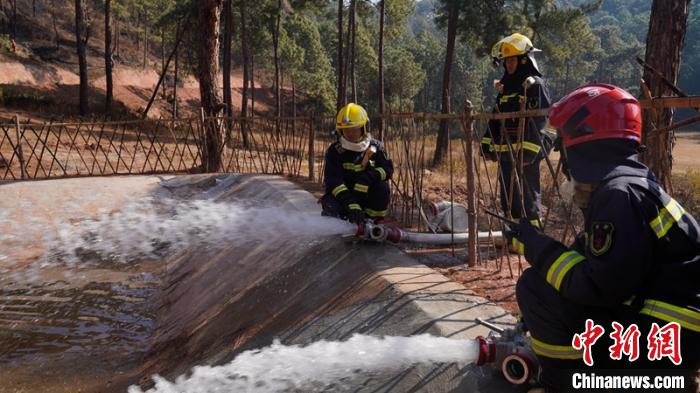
50 90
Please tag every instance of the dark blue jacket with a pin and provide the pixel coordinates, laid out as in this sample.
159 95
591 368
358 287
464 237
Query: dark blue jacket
344 174
640 249
495 138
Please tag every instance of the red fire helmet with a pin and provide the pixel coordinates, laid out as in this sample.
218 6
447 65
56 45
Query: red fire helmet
597 111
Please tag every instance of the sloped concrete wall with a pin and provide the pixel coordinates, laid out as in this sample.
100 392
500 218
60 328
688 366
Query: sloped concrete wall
245 296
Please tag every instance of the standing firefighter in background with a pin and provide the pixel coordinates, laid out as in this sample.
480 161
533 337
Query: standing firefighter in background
357 170
636 263
521 81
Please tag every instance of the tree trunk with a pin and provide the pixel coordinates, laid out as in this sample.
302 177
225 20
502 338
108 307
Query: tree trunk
117 34
227 70
353 15
55 26
81 42
294 107
175 75
178 37
145 42
444 131
108 57
246 74
14 19
667 25
164 67
381 69
252 85
340 100
137 35
275 45
208 67
346 55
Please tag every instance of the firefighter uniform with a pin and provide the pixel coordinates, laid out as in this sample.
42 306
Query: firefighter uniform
533 147
349 185
637 260
500 137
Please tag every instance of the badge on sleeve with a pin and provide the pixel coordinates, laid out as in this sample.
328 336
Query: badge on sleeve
601 237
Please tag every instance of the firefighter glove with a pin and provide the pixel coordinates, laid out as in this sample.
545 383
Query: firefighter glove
523 235
511 233
356 215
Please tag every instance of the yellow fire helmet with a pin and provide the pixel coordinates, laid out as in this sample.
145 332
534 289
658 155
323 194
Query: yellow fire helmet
352 116
514 45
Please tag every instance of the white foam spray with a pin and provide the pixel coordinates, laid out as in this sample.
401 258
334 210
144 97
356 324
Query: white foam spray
280 368
151 228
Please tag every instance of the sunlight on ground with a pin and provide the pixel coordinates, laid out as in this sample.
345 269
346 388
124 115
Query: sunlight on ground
686 152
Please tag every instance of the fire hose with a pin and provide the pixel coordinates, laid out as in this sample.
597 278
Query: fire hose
508 350
392 234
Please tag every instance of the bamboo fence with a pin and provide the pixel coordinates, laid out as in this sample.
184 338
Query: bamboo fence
296 147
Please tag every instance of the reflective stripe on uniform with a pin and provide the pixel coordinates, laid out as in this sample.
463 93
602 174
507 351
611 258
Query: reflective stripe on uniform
687 318
555 351
629 301
533 147
506 97
354 206
518 246
375 213
556 272
670 214
361 187
339 189
504 148
382 172
486 140
353 167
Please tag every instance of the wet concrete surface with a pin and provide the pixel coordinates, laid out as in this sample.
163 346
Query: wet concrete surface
106 325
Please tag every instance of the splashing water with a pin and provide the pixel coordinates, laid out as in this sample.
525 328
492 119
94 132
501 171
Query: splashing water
150 229
279 368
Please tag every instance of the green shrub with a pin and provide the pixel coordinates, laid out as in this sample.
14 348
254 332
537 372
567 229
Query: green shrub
12 96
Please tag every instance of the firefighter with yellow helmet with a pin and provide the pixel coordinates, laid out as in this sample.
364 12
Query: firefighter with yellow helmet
522 80
357 170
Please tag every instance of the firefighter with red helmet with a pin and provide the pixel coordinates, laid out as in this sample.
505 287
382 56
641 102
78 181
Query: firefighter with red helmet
521 80
638 259
357 170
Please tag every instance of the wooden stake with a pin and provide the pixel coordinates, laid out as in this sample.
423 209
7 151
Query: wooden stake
471 195
18 146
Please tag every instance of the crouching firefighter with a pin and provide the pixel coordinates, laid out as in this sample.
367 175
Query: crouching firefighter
357 170
522 80
636 263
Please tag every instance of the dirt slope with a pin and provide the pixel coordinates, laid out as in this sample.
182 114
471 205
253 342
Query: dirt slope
44 89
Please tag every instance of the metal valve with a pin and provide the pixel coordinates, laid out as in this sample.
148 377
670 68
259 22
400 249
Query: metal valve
510 351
